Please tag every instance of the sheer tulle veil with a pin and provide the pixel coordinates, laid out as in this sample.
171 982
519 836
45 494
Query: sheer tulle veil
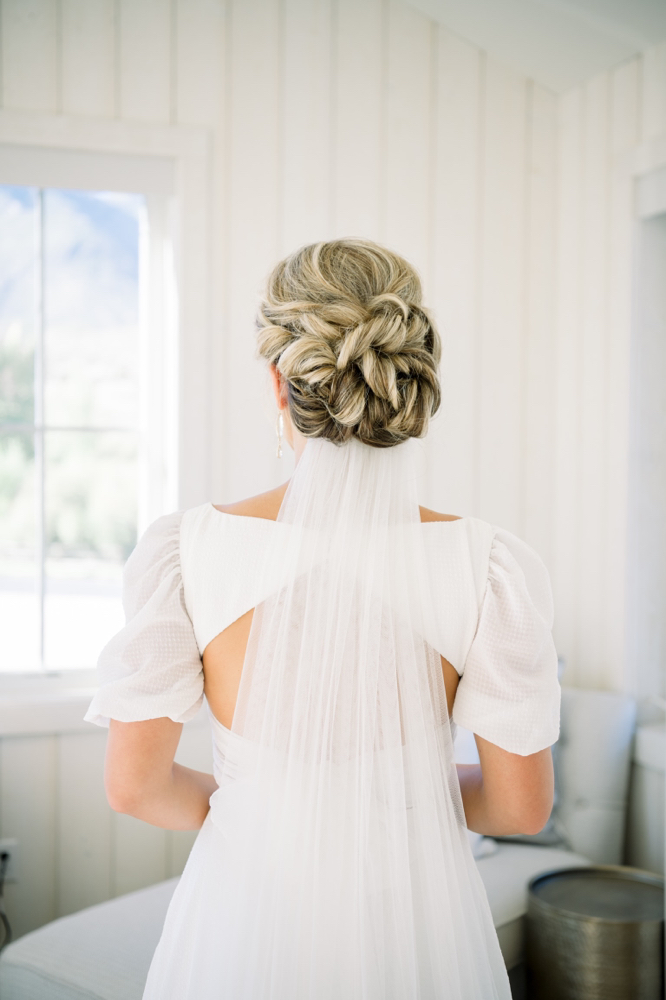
352 870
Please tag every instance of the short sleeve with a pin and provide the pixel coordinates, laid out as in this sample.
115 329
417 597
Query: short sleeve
509 692
152 667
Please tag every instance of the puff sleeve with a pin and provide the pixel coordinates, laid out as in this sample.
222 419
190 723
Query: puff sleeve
152 667
509 692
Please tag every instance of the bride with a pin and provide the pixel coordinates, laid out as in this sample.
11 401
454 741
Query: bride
339 633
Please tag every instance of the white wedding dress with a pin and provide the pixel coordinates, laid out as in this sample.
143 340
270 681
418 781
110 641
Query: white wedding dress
289 892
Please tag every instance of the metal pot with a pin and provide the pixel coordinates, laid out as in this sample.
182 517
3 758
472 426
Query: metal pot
595 934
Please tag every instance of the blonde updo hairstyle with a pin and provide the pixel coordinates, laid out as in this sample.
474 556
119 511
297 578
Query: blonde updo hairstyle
343 323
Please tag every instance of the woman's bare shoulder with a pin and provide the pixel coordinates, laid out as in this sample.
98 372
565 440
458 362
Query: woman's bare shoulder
433 515
267 505
264 505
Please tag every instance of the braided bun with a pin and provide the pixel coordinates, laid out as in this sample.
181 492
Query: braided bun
343 323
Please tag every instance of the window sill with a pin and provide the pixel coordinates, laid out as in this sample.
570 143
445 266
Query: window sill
52 704
36 704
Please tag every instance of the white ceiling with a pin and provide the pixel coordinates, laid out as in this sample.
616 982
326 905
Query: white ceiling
558 43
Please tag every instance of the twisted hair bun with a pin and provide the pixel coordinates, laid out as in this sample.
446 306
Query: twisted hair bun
343 323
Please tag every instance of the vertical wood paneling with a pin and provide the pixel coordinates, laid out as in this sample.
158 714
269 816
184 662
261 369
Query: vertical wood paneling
139 854
565 560
452 291
624 135
306 135
179 845
207 46
408 147
199 64
409 144
502 316
594 392
625 124
197 381
145 60
602 122
28 808
84 823
538 416
252 237
653 92
88 38
30 54
358 128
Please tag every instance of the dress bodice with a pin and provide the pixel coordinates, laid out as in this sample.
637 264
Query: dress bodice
457 551
194 572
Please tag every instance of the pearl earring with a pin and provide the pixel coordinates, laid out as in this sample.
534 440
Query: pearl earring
279 429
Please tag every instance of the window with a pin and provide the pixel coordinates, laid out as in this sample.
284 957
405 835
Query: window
69 359
104 420
73 454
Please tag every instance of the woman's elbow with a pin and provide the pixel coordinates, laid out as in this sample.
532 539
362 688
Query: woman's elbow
529 818
129 793
532 825
139 763
122 796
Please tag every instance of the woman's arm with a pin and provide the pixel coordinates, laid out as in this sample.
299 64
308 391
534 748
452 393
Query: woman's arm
507 793
142 779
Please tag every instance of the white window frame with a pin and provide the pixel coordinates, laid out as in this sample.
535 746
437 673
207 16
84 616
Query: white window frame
170 166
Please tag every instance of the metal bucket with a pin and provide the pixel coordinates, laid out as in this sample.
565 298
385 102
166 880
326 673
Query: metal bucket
595 934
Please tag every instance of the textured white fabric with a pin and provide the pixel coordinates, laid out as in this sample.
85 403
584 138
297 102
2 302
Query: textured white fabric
152 667
457 566
194 572
509 693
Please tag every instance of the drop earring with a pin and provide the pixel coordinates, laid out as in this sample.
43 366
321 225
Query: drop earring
279 429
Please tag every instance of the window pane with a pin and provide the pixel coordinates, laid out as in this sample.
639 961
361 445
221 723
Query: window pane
91 308
91 516
19 610
18 286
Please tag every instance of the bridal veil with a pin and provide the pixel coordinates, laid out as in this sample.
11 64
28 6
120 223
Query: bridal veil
345 832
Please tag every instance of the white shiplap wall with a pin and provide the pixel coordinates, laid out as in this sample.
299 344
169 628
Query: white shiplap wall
326 117
601 125
362 117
